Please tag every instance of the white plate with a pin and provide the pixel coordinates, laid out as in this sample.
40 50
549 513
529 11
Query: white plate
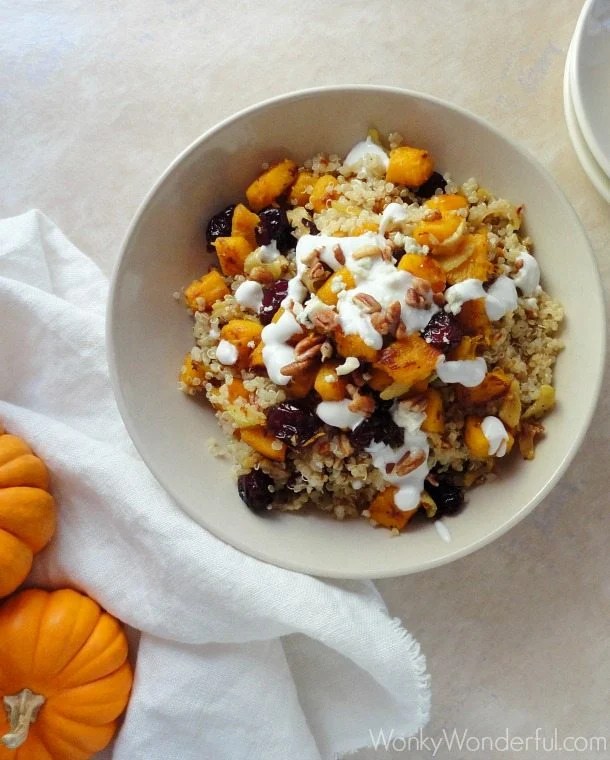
587 160
590 78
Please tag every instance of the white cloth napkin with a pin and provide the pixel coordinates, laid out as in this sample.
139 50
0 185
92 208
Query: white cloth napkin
237 659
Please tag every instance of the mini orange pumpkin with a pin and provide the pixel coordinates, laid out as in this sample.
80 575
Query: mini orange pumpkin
27 510
64 676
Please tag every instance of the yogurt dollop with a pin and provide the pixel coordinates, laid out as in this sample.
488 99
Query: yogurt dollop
497 437
368 156
527 278
226 353
467 372
277 353
250 295
337 414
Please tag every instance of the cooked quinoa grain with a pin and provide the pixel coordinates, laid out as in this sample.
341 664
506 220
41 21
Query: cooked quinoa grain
371 348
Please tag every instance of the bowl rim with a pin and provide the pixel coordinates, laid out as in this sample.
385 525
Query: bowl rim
297 565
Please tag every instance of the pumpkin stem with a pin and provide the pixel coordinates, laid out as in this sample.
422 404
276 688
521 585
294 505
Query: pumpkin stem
22 710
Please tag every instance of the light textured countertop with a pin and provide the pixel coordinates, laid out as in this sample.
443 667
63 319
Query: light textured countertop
98 96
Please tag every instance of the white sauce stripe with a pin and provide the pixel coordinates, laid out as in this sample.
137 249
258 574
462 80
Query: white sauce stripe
497 437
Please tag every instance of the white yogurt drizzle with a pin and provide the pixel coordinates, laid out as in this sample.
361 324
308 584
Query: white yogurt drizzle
468 372
442 530
250 295
276 351
337 414
500 299
497 437
367 156
410 485
527 279
226 353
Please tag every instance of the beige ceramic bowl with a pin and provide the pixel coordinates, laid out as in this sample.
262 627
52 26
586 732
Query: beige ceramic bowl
148 332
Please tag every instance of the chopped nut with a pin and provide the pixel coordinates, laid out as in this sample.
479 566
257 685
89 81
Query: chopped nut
325 321
415 299
326 350
367 303
311 256
401 331
262 274
439 299
339 255
295 368
349 365
307 343
367 251
363 404
344 445
409 462
318 274
518 264
433 215
415 403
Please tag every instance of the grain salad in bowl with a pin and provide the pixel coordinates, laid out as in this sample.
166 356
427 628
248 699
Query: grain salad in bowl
374 337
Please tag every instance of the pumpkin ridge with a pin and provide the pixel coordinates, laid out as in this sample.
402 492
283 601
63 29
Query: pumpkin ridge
36 512
75 679
84 602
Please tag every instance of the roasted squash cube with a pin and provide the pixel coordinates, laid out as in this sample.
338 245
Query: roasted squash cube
440 235
426 268
408 360
256 357
232 252
383 510
409 166
353 345
342 279
202 294
244 334
302 188
328 384
244 224
323 191
379 379
443 203
264 442
476 265
192 374
475 438
494 385
435 418
473 319
271 184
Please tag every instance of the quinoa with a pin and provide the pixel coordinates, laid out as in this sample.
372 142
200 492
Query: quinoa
461 232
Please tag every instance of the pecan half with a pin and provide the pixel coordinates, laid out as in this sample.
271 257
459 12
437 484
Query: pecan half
363 404
295 368
409 462
318 274
307 343
439 299
325 321
414 299
338 254
367 303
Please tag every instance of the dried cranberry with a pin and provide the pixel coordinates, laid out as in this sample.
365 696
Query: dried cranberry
273 295
379 427
293 422
431 185
443 331
253 488
449 499
274 225
220 224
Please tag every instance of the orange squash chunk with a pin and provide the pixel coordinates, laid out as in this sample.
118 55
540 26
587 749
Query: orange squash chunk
241 333
211 287
379 380
323 191
329 385
438 234
409 166
299 194
444 203
264 442
408 360
327 292
192 373
473 318
243 224
495 385
232 253
271 184
435 418
353 345
426 268
386 513
476 265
